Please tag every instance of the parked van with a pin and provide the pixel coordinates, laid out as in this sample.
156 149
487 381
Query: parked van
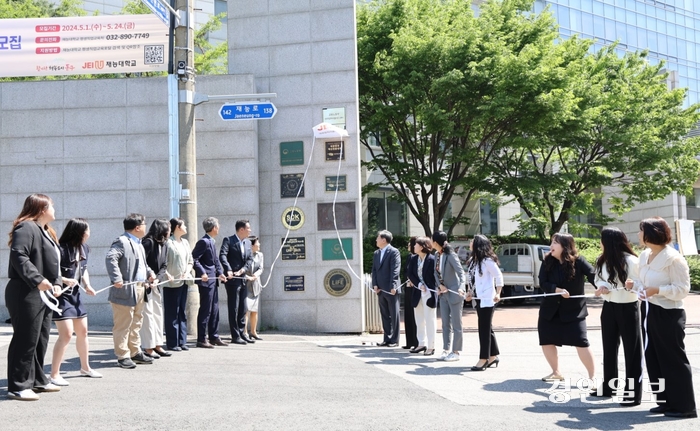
520 264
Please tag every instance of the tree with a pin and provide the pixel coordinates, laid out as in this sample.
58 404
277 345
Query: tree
622 136
40 8
442 91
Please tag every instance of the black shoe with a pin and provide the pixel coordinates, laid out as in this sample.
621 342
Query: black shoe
681 415
247 339
493 363
175 349
481 368
204 345
382 344
630 403
409 347
218 342
152 355
658 409
184 347
255 337
126 363
240 341
594 393
162 352
418 349
141 358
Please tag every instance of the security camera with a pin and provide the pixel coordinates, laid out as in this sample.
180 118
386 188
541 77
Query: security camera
181 66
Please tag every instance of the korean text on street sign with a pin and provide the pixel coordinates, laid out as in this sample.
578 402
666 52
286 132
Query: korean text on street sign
248 111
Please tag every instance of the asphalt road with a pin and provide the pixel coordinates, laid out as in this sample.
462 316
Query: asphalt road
328 382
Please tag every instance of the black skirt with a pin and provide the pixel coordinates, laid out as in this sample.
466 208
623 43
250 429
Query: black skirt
560 333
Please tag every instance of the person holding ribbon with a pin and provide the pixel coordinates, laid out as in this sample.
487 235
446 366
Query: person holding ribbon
179 265
154 244
34 269
620 315
421 273
664 278
562 319
451 281
485 282
73 316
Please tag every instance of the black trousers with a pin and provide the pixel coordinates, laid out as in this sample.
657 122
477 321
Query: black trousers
208 316
31 322
487 339
666 358
621 320
389 309
409 318
175 315
237 308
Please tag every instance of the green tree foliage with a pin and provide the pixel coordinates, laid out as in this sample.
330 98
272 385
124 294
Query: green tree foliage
40 8
621 137
441 91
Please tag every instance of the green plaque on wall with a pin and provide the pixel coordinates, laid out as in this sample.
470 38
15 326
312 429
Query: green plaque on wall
332 251
291 153
336 182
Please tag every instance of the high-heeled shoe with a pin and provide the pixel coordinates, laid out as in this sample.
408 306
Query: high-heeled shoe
418 349
482 367
493 363
429 352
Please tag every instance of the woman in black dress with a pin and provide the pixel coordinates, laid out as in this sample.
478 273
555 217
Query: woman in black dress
34 269
409 317
562 320
74 260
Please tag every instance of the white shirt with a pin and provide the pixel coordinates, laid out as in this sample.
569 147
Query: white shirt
486 282
618 293
670 273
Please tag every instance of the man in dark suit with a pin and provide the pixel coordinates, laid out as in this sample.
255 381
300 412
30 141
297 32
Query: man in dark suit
128 271
208 268
386 265
236 256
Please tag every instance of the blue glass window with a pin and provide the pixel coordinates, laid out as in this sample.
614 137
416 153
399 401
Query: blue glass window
597 7
652 41
575 3
575 20
587 24
642 42
651 23
631 36
587 5
631 17
672 47
563 17
598 26
610 30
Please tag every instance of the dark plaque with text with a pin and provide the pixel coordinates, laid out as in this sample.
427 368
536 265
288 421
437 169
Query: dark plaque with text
294 248
334 150
293 283
336 182
344 216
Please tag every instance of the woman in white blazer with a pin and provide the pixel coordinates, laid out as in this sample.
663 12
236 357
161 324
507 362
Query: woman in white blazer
485 282
620 315
665 278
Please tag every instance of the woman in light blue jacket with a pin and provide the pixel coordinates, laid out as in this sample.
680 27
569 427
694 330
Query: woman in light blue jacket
450 275
485 282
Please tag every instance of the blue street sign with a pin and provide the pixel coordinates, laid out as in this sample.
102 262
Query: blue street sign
159 10
248 111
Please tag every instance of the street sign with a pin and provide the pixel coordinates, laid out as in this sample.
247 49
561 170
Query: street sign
248 111
159 10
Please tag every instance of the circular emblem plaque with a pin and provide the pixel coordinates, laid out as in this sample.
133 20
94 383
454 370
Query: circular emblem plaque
337 282
293 218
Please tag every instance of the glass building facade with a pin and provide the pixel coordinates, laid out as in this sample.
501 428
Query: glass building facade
668 29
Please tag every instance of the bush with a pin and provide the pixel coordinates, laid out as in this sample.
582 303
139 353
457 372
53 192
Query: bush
694 264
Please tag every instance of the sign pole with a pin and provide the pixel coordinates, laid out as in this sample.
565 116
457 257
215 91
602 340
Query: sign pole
184 69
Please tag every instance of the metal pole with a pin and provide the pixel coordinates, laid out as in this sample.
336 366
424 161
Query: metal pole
184 64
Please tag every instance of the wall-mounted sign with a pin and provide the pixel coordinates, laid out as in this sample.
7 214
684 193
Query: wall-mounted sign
293 218
334 116
291 153
334 150
293 283
337 282
290 185
331 248
294 248
83 45
336 182
344 216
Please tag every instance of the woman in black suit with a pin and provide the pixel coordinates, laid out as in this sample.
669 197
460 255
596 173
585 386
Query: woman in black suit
409 318
34 268
154 244
562 320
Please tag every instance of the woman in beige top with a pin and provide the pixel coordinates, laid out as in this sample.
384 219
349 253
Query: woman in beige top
179 266
665 279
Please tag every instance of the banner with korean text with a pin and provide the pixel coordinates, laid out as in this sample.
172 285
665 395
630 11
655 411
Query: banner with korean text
83 45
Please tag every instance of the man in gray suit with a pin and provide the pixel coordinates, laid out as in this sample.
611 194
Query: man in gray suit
386 265
128 271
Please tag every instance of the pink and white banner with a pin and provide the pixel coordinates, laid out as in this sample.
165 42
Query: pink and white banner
83 45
